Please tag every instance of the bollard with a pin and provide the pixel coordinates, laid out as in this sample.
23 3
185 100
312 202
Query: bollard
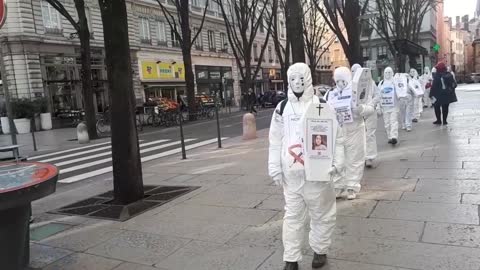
249 127
82 133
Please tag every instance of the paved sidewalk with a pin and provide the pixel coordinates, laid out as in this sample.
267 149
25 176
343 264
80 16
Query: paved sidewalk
419 209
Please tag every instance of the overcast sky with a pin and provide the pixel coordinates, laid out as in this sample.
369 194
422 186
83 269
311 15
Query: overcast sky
460 7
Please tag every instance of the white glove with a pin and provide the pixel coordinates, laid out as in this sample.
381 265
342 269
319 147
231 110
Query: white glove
359 110
333 171
278 180
379 111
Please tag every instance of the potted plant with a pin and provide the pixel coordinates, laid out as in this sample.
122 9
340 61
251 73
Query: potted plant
41 105
23 111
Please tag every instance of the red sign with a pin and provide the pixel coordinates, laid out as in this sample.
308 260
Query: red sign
3 12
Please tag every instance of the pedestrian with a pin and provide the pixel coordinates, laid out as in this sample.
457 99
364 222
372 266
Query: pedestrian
426 80
251 100
286 167
418 92
390 106
443 93
406 102
371 123
351 117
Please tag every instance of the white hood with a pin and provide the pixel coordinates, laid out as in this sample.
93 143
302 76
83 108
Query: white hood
355 67
342 77
388 74
414 74
299 79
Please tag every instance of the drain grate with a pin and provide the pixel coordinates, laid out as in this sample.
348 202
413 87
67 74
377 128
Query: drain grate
103 206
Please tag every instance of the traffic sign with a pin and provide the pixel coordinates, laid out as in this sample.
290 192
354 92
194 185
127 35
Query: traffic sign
3 12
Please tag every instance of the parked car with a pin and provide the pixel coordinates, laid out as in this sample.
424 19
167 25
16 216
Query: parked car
272 98
475 77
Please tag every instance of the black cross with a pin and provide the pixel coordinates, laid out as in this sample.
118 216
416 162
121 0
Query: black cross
319 109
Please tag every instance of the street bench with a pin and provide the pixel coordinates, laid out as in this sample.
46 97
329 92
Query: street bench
11 148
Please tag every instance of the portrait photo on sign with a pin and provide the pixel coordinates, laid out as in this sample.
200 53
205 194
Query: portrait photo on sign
320 132
319 142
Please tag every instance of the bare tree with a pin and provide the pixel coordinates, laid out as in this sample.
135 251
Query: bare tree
182 29
295 29
127 168
243 19
281 38
81 26
401 19
343 18
315 30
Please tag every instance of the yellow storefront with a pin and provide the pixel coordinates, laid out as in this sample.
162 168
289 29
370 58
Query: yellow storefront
162 79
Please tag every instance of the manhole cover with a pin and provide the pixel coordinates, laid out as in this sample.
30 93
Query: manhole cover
103 206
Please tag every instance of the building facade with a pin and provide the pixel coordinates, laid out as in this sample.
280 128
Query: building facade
41 52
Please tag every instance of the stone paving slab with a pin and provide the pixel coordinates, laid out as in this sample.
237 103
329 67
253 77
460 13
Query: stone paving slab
467 174
41 255
355 208
389 184
208 256
379 228
82 261
193 229
452 234
471 198
232 199
81 237
139 247
421 211
276 262
133 266
266 235
380 195
410 255
423 164
228 215
432 197
448 186
274 202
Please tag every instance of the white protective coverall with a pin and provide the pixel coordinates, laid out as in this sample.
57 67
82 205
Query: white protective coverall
300 195
417 100
425 79
371 121
389 103
406 107
353 131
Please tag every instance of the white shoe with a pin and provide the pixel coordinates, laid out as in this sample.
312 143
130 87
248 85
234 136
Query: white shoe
409 129
351 195
403 128
339 192
369 163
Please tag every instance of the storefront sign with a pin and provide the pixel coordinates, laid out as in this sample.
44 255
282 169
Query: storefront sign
3 12
162 71
215 75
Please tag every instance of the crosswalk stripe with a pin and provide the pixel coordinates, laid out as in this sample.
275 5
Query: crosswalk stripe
88 152
80 177
68 150
101 154
105 160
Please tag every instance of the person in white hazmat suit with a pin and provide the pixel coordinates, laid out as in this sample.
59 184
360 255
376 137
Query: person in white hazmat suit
371 124
417 99
426 80
351 118
406 106
300 195
390 105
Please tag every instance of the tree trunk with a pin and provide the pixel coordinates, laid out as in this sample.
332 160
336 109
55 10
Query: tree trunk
85 54
187 59
295 30
127 168
412 61
352 14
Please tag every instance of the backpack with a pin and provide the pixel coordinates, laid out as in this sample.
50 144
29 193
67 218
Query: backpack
284 102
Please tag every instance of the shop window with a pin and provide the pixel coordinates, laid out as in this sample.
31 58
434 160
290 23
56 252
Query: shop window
211 41
255 52
282 29
270 54
88 14
51 19
162 36
145 31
